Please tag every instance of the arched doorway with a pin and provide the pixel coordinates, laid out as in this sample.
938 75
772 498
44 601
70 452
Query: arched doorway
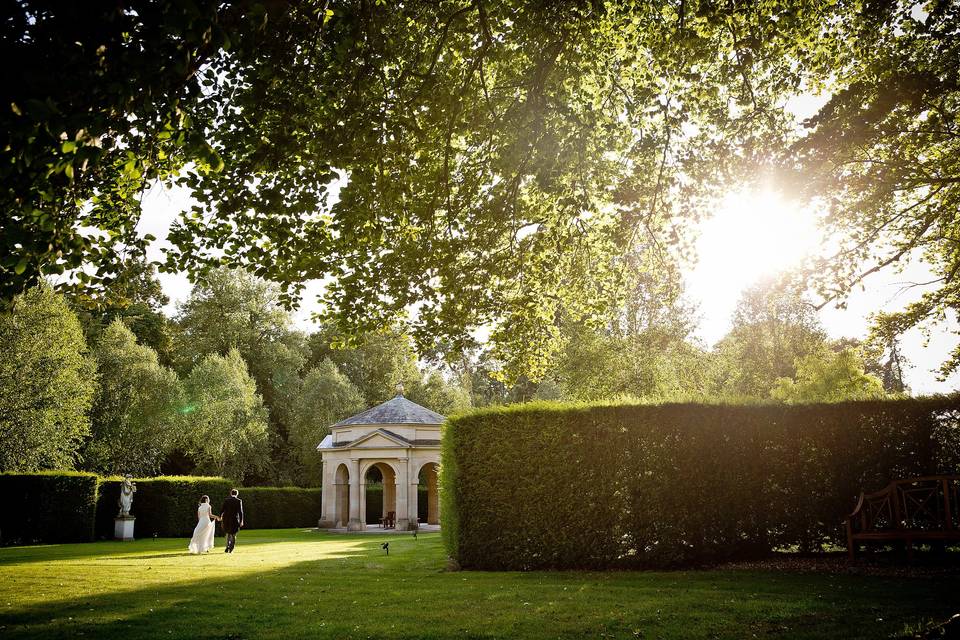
380 491
428 502
342 504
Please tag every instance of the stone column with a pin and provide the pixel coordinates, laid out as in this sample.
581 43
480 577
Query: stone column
355 523
328 496
412 495
403 484
433 498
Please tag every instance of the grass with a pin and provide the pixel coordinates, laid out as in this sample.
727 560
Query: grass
305 584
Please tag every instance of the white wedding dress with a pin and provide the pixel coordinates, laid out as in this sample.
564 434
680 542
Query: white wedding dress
202 539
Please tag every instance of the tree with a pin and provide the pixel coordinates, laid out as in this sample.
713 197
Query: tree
883 154
493 159
136 297
135 419
434 392
326 396
47 382
772 329
643 347
101 100
656 359
226 423
881 358
829 376
375 364
229 309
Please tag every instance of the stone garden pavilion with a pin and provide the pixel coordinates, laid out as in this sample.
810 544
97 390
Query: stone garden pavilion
398 443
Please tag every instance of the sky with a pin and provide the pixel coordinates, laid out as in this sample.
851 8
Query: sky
757 235
752 235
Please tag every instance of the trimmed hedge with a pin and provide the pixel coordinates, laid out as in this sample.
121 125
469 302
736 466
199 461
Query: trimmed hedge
279 507
66 506
596 486
374 503
55 506
165 506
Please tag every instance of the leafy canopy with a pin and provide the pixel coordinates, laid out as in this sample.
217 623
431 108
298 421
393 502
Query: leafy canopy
47 383
226 423
494 162
829 376
135 419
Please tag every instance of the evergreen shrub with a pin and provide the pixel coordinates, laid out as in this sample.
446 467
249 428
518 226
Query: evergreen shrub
165 506
279 507
49 506
66 506
374 502
597 486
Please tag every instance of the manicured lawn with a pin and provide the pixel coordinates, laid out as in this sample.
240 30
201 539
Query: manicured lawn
303 584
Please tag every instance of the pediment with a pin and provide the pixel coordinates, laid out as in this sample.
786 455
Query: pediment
380 439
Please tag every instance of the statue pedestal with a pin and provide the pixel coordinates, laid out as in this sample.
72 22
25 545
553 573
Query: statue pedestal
123 527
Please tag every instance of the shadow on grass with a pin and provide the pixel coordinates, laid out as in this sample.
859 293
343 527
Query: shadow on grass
167 548
361 592
155 556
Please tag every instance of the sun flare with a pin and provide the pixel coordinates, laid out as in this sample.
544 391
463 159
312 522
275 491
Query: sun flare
753 234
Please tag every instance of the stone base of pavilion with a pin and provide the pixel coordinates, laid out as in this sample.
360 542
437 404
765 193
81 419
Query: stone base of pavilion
375 528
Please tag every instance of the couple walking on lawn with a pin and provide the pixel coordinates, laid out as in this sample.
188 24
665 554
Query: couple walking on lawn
231 518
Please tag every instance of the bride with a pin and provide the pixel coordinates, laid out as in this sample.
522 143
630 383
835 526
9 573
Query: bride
202 540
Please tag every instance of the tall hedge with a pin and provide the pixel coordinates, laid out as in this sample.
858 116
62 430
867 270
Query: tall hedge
279 507
163 506
53 506
559 486
167 506
374 502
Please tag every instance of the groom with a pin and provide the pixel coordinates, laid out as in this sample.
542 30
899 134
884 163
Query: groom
231 514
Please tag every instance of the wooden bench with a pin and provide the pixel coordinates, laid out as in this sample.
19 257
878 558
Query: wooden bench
389 521
912 510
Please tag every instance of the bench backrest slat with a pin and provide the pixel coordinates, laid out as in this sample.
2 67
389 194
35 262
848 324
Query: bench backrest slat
928 503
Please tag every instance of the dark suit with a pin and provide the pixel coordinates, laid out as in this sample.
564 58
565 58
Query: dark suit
232 514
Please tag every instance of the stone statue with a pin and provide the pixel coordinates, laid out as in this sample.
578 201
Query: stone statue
127 488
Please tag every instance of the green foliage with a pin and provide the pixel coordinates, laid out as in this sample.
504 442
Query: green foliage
229 309
167 506
656 363
279 507
381 360
163 506
101 101
520 148
47 383
135 418
53 506
374 364
772 330
548 138
136 297
557 486
326 396
232 309
226 423
883 155
829 377
434 392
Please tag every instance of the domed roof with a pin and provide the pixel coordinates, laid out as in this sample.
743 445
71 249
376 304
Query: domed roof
396 410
